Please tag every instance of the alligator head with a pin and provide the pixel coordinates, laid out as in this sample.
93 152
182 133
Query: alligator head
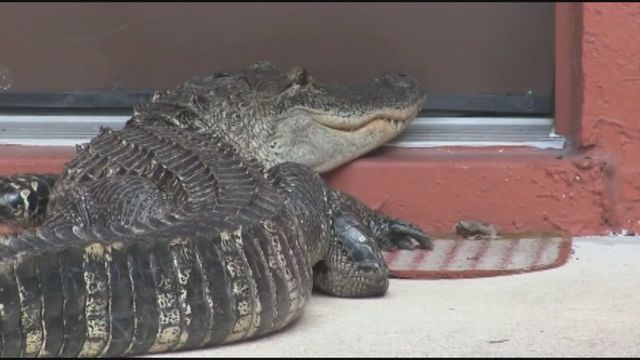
278 116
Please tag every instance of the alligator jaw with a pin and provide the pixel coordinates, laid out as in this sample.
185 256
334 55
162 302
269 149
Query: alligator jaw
358 138
349 145
398 118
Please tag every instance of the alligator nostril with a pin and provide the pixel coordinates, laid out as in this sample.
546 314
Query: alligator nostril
400 80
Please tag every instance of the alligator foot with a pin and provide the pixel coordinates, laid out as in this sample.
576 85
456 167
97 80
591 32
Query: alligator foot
389 233
23 199
397 234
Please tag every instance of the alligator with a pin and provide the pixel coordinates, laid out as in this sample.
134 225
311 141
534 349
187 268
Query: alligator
204 221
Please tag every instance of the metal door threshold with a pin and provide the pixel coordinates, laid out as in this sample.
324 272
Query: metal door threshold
424 132
537 132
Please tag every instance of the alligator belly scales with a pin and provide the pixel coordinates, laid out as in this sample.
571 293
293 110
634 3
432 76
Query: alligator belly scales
180 231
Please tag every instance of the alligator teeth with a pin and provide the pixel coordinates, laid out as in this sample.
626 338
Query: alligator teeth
396 123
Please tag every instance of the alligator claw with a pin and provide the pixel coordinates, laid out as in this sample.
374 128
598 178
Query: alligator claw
402 235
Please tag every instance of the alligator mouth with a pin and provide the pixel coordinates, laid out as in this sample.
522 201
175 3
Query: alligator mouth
398 124
397 118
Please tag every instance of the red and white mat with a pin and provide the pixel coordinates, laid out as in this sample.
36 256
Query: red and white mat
470 258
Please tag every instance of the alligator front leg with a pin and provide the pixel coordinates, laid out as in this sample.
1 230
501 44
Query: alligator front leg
24 198
390 233
354 265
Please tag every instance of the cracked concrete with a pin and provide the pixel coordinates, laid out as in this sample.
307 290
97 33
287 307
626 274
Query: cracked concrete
589 307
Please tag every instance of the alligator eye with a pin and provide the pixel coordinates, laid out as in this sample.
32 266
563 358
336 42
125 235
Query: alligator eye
302 79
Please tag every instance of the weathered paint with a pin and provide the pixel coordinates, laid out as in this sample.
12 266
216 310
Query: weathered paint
611 101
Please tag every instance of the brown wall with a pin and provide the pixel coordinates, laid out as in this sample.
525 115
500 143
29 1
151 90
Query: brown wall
452 48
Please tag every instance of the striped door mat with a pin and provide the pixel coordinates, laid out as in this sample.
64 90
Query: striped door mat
470 258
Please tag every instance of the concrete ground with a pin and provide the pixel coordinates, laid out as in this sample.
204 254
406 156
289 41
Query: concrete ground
590 307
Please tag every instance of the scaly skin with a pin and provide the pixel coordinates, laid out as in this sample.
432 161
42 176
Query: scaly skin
24 198
269 115
204 221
